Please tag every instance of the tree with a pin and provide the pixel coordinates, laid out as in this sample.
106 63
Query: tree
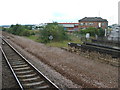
19 30
54 30
101 32
93 31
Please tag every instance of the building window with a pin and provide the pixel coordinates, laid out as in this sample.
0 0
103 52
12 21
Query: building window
81 24
90 24
99 24
76 24
86 24
103 24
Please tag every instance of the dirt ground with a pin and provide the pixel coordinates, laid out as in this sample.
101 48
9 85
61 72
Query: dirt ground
77 71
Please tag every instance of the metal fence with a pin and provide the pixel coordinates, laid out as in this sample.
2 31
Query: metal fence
104 40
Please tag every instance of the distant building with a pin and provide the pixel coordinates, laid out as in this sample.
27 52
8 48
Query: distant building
5 26
39 26
70 27
115 33
113 26
96 22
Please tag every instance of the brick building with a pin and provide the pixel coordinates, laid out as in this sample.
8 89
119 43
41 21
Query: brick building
93 22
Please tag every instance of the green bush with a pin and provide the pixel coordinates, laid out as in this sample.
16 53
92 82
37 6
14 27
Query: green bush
55 30
90 30
20 30
101 32
93 31
25 33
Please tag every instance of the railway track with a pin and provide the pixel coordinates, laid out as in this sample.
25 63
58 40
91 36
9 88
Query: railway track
113 51
26 75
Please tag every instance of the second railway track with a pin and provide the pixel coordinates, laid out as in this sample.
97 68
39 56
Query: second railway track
114 52
27 76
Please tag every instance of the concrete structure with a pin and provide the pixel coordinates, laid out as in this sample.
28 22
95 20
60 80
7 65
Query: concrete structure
70 26
93 22
115 33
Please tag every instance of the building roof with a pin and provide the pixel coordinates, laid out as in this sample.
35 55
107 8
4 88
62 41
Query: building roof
93 19
68 23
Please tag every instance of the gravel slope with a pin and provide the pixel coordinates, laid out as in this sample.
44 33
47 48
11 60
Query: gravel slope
80 70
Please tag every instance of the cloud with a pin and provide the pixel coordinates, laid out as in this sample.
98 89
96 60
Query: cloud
40 11
58 14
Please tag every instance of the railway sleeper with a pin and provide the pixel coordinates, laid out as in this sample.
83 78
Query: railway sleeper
29 79
24 72
27 76
17 63
22 68
17 66
34 84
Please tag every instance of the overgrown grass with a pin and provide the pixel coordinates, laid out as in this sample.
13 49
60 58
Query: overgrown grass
34 38
73 39
58 44
62 43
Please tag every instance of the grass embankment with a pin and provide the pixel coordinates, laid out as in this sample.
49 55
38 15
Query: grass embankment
34 38
73 39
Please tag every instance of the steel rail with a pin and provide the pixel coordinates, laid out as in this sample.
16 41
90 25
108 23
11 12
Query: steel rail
15 76
114 52
29 64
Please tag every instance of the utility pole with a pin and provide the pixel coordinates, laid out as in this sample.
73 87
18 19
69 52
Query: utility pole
99 13
119 13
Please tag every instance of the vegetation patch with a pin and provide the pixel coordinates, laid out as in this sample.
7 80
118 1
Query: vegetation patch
93 31
20 30
53 32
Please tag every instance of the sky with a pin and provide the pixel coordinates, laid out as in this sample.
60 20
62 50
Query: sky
45 11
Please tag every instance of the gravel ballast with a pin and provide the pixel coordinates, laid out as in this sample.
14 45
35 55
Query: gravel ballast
71 67
8 80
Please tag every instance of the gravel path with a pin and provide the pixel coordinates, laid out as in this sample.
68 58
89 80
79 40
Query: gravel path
82 71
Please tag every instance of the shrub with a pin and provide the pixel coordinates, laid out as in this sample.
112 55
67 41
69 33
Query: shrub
90 30
93 31
55 30
20 30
